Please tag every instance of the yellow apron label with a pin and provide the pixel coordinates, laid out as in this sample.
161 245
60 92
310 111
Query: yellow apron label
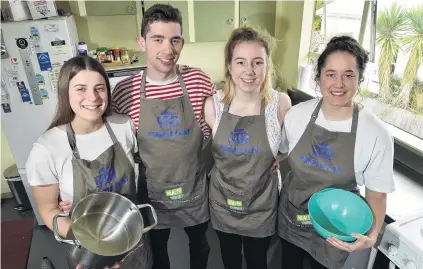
303 218
174 194
236 205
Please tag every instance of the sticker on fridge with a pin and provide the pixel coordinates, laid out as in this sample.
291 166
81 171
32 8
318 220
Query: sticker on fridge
54 76
44 94
40 79
35 33
13 76
44 61
59 46
51 27
34 40
6 108
14 63
21 43
23 91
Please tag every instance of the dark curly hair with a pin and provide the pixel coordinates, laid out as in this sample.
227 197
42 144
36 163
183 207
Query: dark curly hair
160 13
344 44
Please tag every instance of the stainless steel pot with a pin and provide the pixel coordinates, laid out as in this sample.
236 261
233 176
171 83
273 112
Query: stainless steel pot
105 226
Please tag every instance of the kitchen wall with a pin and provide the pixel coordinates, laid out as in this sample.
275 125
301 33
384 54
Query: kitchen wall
293 28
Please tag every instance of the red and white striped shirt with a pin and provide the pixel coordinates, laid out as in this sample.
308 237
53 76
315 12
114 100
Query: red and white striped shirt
126 95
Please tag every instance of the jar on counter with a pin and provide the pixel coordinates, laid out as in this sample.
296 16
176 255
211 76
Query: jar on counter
101 55
124 56
116 55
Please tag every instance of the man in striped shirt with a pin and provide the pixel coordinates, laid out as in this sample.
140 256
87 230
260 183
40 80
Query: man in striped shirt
165 101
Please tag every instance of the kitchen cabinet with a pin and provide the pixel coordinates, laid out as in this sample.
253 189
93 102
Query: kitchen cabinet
103 8
213 20
183 8
258 13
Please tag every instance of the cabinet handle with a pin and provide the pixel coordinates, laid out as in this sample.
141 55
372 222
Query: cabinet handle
230 21
244 20
131 9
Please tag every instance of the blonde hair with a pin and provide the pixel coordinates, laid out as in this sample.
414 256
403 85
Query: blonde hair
249 34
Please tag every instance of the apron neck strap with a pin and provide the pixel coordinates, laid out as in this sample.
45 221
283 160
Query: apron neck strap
178 73
72 140
354 117
262 107
111 133
316 111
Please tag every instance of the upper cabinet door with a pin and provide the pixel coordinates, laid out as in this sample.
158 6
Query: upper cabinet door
213 20
183 8
103 8
258 13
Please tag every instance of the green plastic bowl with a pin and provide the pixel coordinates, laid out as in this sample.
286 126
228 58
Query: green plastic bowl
338 213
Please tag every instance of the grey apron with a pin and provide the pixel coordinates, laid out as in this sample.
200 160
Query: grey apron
243 190
170 143
111 171
321 159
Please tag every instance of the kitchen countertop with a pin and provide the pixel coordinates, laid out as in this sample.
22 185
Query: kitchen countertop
123 67
407 198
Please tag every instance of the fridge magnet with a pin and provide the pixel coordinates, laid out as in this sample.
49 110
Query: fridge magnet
21 43
52 27
23 91
59 46
35 33
6 108
44 94
40 79
44 61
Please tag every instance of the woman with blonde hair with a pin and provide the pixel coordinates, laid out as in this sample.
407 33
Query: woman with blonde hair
246 119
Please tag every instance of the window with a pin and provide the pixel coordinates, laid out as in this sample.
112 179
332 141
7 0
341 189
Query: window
392 31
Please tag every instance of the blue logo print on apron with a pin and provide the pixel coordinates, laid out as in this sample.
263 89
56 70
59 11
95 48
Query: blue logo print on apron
321 150
169 120
239 137
107 175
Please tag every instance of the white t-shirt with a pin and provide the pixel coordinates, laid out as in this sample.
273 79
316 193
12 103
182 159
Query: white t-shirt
374 145
49 161
273 127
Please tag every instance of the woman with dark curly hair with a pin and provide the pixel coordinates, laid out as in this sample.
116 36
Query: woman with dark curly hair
357 150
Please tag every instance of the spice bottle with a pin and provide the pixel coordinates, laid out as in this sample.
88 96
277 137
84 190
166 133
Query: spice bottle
124 56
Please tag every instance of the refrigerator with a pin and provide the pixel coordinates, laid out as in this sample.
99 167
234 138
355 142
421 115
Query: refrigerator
32 53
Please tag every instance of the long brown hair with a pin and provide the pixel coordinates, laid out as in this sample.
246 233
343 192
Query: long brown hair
64 112
249 34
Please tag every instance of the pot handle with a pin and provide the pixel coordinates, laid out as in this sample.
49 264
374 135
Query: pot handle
153 212
56 230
